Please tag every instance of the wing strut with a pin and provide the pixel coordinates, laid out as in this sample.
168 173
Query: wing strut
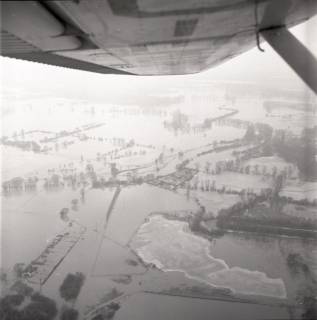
296 55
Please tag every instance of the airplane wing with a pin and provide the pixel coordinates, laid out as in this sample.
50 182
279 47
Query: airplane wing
142 37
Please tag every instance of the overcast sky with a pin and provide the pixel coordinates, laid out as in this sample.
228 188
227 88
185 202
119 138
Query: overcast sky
252 66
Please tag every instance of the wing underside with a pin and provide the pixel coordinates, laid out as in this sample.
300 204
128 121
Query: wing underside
140 37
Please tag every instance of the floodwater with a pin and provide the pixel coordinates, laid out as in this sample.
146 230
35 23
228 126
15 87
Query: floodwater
31 220
189 253
159 307
248 264
269 255
136 203
98 263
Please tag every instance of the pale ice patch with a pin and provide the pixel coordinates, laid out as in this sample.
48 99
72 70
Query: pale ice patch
172 247
248 282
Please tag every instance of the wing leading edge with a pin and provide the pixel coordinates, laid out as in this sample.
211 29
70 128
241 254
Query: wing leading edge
141 37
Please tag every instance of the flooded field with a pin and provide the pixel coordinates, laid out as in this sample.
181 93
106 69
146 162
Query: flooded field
135 204
268 255
159 307
189 253
96 198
